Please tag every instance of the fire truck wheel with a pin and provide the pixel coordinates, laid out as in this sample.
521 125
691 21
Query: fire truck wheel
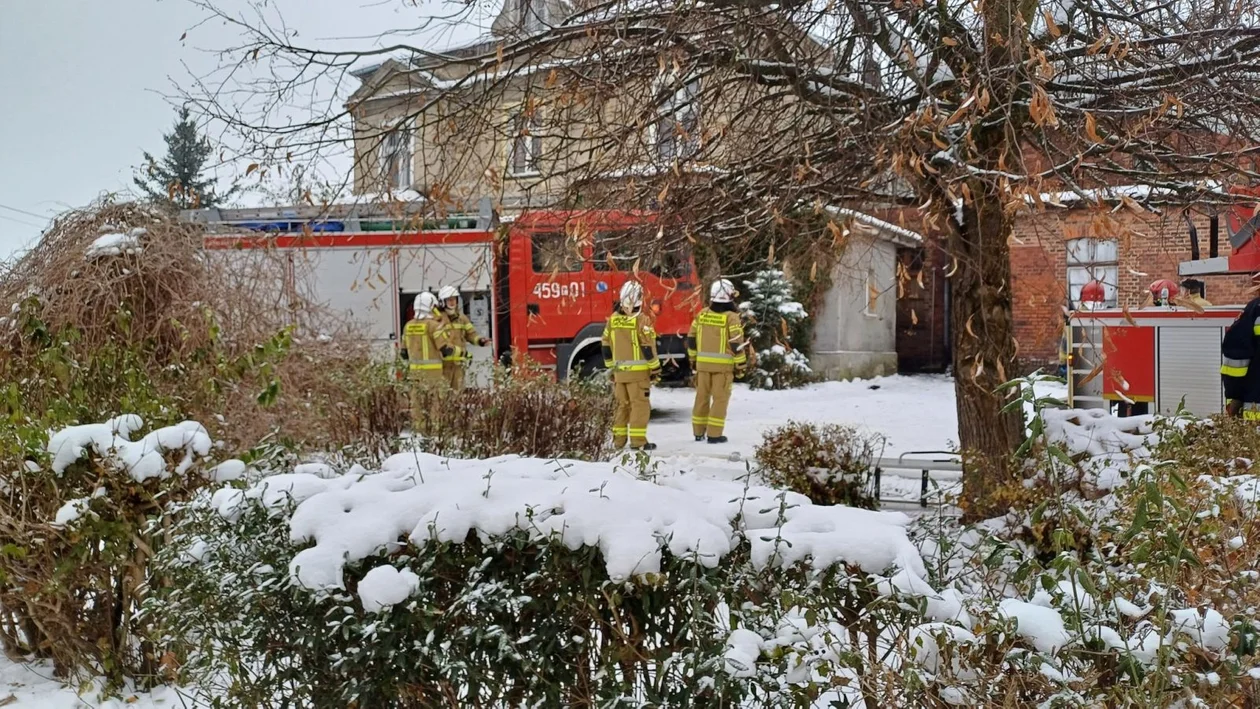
590 365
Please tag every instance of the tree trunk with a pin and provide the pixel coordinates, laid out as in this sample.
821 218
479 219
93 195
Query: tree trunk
984 347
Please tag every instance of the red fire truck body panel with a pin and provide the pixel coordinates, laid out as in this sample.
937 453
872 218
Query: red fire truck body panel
566 270
544 284
1151 360
1128 363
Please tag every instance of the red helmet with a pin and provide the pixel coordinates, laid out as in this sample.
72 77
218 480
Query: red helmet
1093 292
1163 289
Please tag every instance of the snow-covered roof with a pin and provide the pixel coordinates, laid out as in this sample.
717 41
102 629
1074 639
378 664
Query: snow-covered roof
896 234
1115 193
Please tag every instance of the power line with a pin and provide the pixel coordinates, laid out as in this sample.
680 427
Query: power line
23 211
20 221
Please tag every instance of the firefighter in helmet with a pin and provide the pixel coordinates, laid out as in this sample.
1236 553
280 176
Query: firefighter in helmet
460 334
424 347
1192 292
629 347
1239 347
715 348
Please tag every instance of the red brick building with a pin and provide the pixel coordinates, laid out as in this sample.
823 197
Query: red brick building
1053 253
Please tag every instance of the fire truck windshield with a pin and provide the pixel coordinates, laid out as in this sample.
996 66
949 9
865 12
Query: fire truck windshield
618 250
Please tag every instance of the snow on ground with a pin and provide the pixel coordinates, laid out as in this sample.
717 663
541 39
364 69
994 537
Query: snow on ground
915 413
32 686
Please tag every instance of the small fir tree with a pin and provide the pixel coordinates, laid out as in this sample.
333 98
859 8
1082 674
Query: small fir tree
178 181
772 322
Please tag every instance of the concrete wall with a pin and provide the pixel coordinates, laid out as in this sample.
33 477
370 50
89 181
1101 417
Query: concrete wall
851 338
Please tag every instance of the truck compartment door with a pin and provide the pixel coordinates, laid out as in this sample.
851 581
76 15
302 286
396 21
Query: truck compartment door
1189 368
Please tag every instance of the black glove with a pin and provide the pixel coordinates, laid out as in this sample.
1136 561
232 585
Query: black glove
447 350
483 342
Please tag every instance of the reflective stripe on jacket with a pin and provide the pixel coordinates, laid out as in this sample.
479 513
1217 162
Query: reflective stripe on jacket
629 345
715 342
459 332
422 339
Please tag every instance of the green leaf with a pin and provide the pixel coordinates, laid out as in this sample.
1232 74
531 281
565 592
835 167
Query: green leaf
1141 518
269 395
1041 510
1062 456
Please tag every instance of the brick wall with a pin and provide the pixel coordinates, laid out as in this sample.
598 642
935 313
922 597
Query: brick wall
1150 247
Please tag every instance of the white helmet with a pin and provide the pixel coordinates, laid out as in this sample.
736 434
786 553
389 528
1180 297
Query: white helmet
631 294
425 303
447 292
722 291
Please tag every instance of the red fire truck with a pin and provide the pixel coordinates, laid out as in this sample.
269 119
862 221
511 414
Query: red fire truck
1157 359
541 285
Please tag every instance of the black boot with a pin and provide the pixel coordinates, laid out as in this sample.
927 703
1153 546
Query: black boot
646 447
717 439
699 438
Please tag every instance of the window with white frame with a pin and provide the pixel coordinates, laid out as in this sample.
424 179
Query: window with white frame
533 15
396 158
677 132
526 147
1093 260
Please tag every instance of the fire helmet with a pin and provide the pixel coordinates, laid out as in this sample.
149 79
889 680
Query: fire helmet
631 294
425 303
722 291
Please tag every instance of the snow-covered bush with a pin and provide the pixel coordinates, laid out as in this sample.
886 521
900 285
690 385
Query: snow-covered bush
1159 609
830 464
79 524
774 323
507 582
517 581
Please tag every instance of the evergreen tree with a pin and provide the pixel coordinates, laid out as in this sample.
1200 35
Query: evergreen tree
773 323
178 181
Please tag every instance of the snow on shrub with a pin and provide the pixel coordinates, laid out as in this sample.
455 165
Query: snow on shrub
421 498
551 582
773 323
829 464
80 523
142 459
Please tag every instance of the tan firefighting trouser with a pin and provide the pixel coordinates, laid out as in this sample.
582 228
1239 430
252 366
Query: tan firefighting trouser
634 408
453 373
713 394
424 388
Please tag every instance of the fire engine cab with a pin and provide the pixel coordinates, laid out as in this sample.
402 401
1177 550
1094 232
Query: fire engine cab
539 286
1168 356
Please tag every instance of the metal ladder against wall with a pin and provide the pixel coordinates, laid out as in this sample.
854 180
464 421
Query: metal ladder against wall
912 464
1084 383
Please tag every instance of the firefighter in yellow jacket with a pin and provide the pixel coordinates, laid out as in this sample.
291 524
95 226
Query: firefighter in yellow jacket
459 334
629 345
424 347
715 347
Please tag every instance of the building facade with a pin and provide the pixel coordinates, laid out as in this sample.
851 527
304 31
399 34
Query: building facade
1054 253
457 133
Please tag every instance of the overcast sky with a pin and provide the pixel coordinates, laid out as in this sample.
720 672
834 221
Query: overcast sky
86 86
